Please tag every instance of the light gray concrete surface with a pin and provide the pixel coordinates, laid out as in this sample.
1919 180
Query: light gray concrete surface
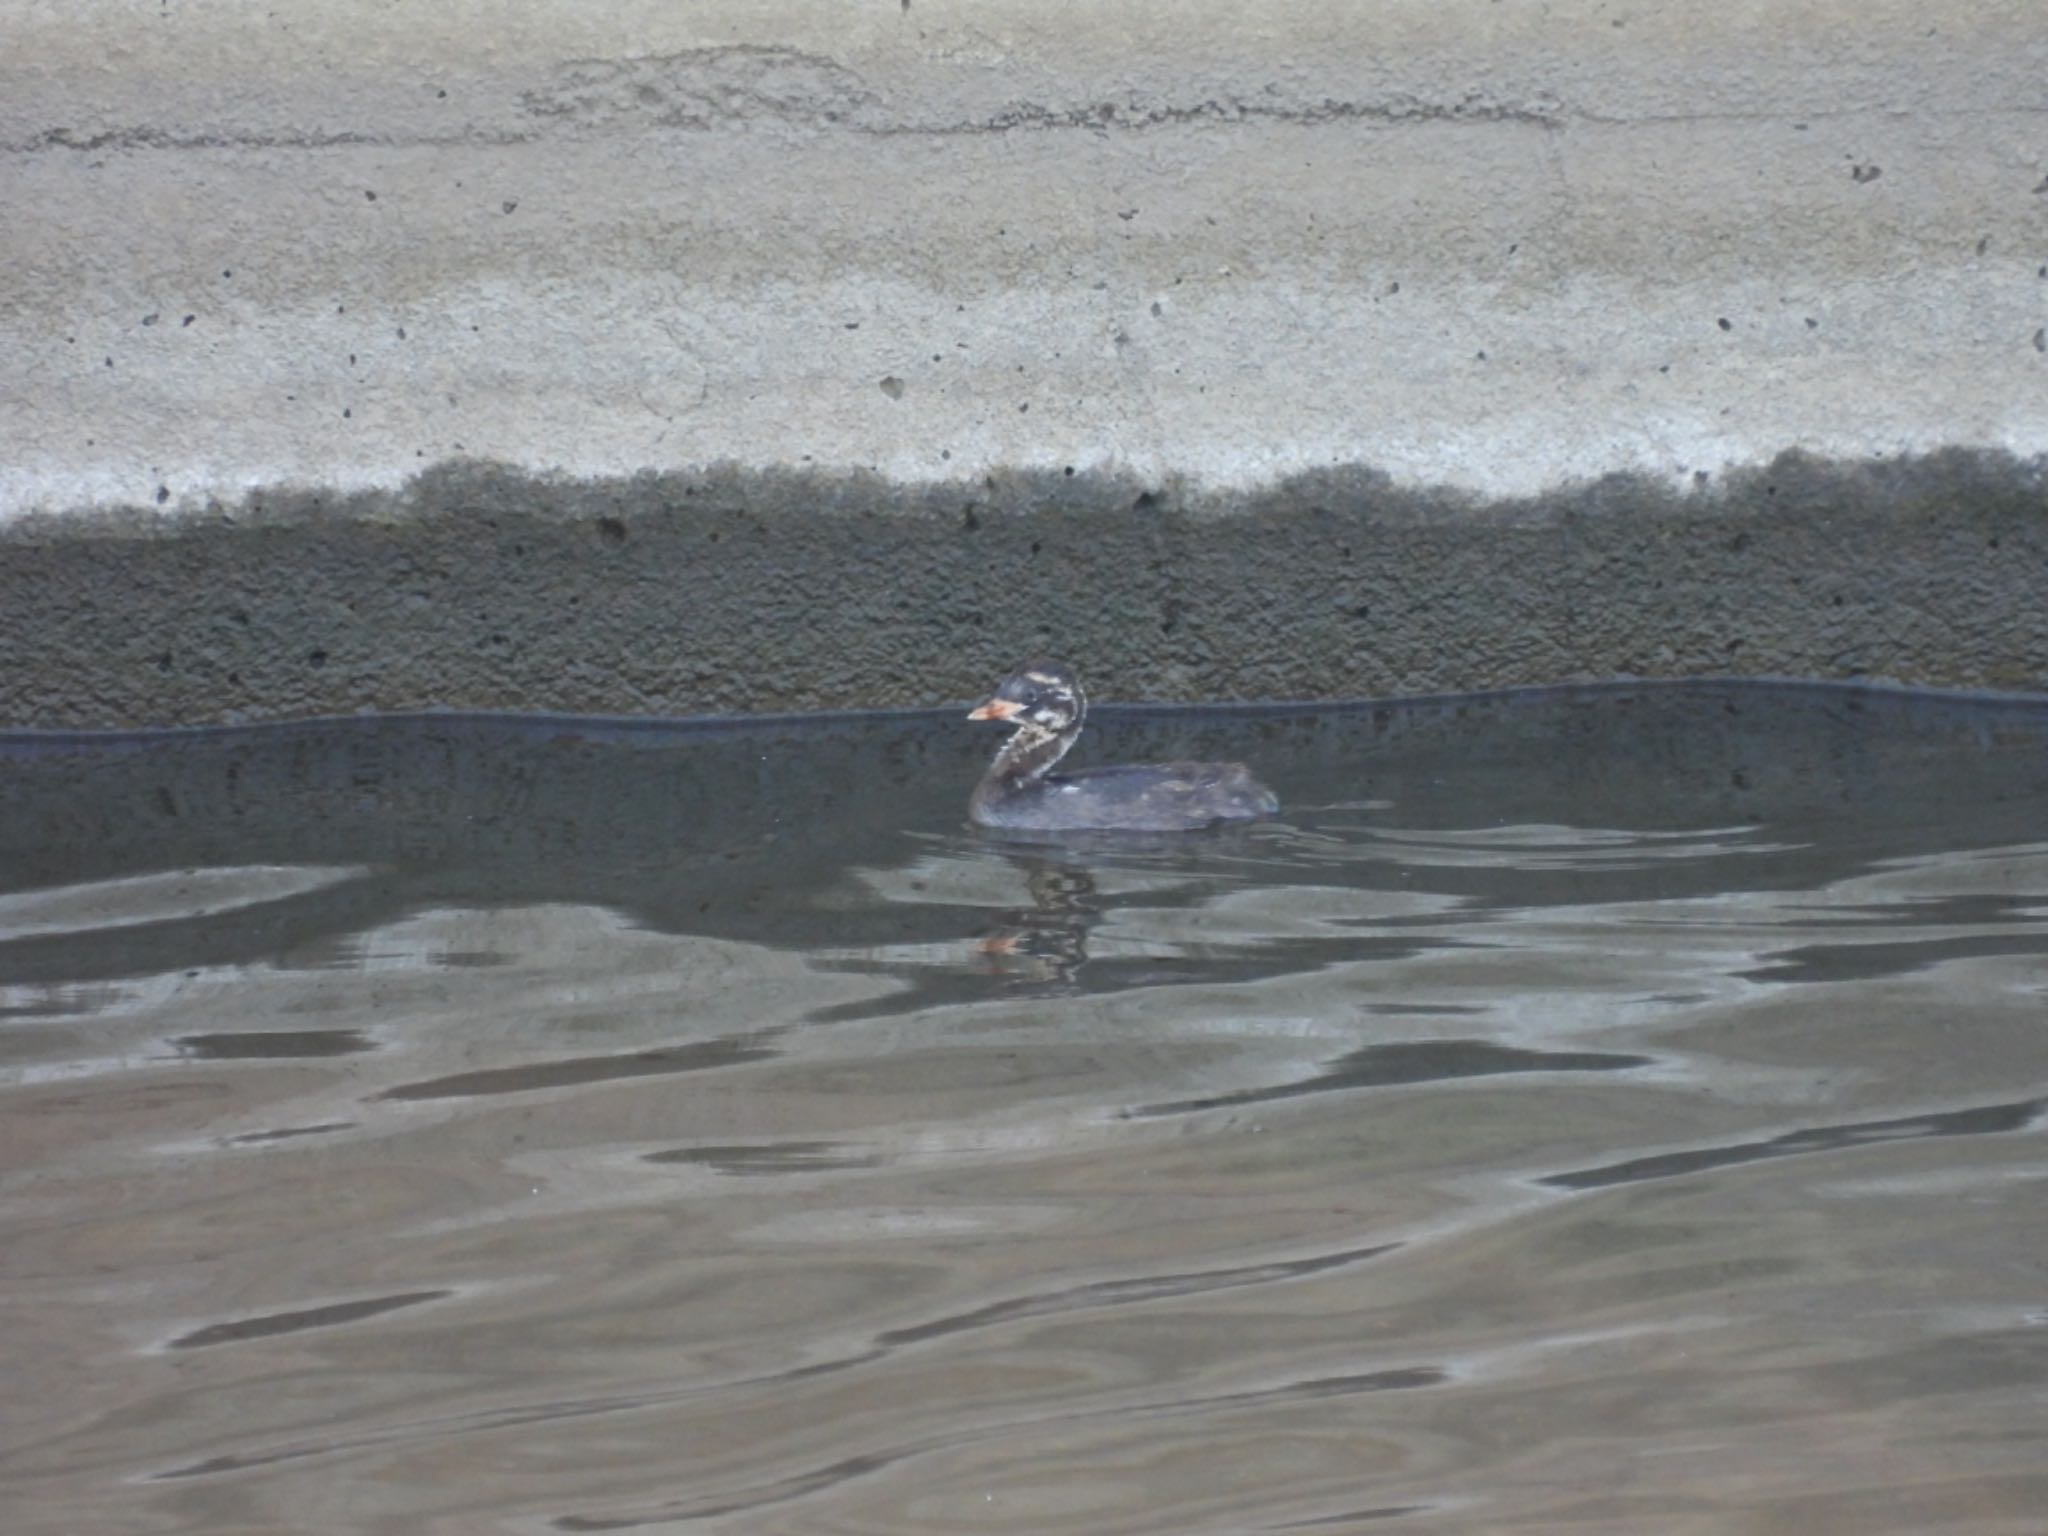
1483 248
1488 243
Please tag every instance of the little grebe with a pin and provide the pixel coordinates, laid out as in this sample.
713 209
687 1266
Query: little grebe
1019 791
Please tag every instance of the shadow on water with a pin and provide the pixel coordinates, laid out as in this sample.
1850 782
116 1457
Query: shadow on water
1985 1120
1415 1061
766 832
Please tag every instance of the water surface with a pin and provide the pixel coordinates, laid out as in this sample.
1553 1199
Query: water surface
1608 1111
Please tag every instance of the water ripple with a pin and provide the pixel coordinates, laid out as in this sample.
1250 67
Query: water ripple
558 1125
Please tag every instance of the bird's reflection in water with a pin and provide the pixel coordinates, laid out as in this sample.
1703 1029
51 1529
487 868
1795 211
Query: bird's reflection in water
993 918
1042 947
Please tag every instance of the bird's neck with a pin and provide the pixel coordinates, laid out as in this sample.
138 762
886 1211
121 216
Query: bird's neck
1030 753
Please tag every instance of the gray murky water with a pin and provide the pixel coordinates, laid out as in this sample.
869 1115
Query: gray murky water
1613 1112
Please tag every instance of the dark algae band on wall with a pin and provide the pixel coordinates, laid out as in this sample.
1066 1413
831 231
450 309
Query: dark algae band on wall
483 588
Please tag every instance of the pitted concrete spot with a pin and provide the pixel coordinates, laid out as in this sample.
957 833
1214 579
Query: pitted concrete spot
701 88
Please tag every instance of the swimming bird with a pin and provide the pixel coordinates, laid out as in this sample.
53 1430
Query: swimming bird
1044 701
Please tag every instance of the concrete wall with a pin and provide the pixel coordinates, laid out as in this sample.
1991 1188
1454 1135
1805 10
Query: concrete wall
1405 345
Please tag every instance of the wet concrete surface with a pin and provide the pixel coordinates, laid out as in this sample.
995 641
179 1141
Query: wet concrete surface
757 356
482 588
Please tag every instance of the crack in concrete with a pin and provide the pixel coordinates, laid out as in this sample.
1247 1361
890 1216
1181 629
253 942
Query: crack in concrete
145 138
1022 117
705 89
1026 117
1133 117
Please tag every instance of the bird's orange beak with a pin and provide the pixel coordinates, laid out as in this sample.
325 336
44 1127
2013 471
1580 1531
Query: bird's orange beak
996 709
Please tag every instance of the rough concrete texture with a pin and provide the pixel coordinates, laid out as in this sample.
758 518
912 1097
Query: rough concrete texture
485 588
1458 257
